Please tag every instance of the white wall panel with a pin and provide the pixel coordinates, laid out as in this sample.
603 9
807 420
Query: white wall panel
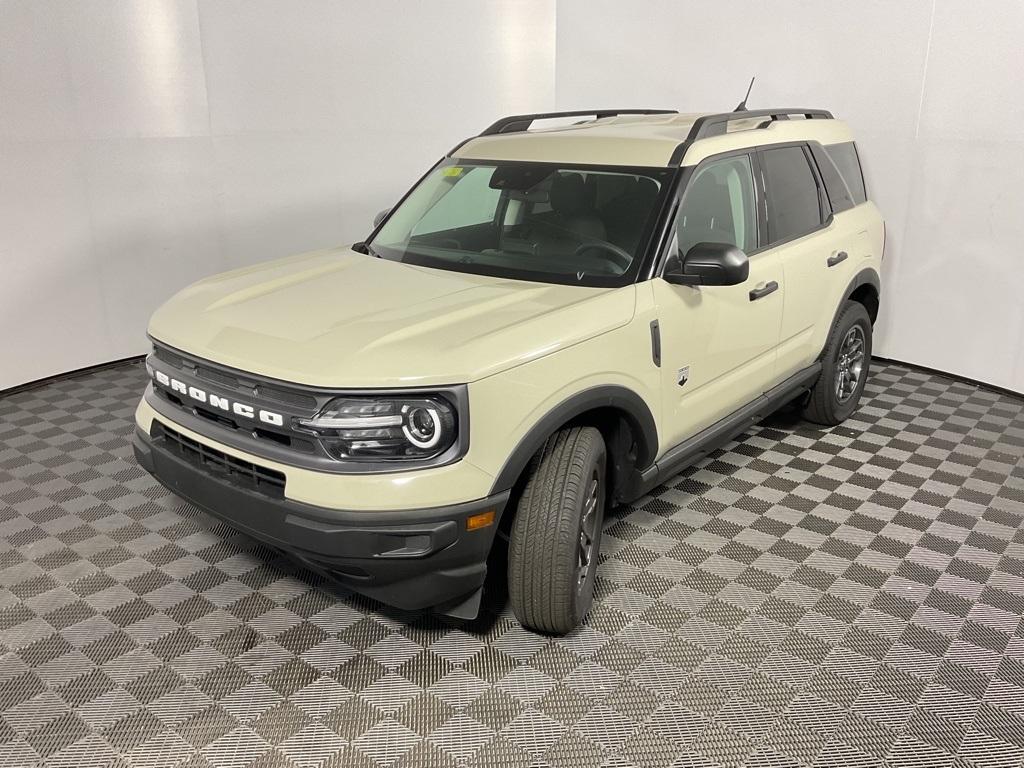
364 68
692 55
51 297
35 85
145 143
866 65
135 67
931 90
155 224
957 304
272 70
286 193
975 63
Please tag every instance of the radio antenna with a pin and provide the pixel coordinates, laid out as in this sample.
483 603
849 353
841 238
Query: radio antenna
742 106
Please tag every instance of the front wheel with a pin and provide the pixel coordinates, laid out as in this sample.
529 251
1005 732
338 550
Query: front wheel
844 368
556 535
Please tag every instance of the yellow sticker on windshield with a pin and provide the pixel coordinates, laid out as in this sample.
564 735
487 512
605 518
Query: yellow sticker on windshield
453 170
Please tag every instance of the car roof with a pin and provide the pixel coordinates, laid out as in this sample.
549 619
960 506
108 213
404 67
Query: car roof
658 139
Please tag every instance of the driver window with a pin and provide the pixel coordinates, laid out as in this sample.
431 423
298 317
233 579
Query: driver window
719 206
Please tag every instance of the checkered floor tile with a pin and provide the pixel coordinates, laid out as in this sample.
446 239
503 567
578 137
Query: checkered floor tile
805 597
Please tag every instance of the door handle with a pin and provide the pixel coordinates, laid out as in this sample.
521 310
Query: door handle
837 258
760 293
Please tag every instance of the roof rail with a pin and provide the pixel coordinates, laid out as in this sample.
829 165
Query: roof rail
517 123
716 125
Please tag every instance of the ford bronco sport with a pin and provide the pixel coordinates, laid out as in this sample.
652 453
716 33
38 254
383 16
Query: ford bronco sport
550 322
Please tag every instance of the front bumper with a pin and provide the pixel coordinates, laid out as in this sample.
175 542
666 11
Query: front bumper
411 559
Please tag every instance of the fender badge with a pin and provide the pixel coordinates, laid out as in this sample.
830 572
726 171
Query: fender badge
684 375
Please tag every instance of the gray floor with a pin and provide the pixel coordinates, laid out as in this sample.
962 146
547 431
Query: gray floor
839 597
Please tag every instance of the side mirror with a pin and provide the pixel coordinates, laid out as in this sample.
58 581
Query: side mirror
708 264
380 217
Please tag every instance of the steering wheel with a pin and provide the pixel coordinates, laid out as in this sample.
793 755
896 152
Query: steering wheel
611 253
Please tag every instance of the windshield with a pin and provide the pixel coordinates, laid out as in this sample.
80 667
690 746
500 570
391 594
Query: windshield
583 225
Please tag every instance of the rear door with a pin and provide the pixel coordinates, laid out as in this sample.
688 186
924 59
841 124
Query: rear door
813 248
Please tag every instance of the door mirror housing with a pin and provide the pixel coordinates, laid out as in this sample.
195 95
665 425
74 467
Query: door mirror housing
380 217
708 264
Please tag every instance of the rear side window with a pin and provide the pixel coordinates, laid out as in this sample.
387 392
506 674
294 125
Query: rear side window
839 196
846 160
794 203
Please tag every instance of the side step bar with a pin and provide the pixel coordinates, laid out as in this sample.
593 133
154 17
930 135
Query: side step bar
721 432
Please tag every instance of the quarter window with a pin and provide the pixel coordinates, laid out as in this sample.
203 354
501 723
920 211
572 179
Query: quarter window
845 157
794 204
719 206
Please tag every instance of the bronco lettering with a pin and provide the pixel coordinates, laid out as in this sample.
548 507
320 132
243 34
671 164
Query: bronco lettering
216 401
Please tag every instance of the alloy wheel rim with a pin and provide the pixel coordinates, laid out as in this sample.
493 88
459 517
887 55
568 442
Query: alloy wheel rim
850 364
588 532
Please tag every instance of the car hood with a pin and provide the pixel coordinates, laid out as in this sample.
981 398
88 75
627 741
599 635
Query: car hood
338 318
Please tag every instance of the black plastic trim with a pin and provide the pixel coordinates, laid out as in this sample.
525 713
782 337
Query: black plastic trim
518 123
768 289
635 410
721 432
664 226
867 276
415 558
676 158
716 125
656 343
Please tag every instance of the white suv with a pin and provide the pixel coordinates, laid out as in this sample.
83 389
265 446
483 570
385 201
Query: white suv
551 321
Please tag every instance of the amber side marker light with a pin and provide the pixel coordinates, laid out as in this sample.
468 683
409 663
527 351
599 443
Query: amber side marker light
474 522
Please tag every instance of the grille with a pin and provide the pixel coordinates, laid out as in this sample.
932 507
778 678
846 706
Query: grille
242 473
285 396
205 372
282 437
168 357
242 385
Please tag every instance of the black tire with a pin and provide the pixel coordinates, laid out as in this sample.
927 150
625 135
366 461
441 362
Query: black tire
545 561
828 403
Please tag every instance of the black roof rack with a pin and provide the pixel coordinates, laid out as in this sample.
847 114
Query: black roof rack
703 127
517 123
716 125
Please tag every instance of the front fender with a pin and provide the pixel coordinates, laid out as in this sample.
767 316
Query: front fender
625 401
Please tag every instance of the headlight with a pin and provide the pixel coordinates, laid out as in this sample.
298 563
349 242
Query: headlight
386 428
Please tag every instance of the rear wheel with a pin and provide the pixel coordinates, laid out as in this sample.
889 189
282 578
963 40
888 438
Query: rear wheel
556 535
845 364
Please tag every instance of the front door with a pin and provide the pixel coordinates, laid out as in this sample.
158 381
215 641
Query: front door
718 342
